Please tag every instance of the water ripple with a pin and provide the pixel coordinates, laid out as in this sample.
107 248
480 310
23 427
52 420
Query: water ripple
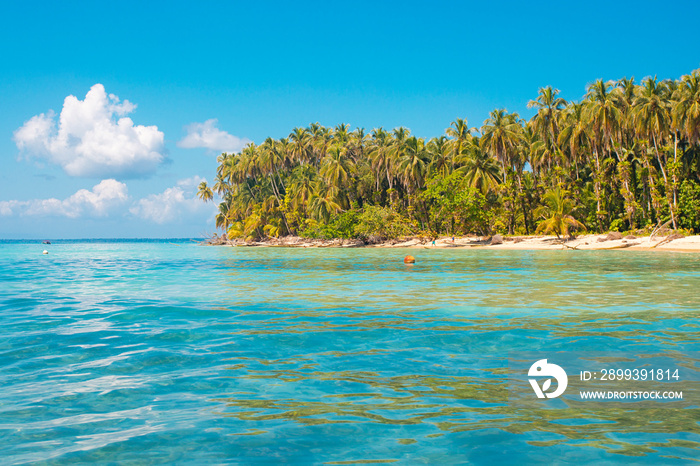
156 353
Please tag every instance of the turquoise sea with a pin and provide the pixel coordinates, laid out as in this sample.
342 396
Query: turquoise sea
155 352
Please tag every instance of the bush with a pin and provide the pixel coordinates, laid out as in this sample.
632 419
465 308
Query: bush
455 206
381 224
689 205
340 226
617 224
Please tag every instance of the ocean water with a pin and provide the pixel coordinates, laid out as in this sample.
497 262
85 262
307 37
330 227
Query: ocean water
170 352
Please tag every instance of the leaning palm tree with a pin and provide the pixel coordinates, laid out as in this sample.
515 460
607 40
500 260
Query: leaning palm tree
205 193
223 219
557 214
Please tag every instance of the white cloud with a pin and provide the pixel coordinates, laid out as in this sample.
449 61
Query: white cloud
90 140
174 204
208 136
192 182
103 198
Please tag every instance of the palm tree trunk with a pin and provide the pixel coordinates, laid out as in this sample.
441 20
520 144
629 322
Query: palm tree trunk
596 185
658 158
669 189
675 160
279 201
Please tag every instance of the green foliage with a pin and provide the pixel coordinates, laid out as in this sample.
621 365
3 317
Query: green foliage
341 226
689 205
627 154
382 223
455 206
557 214
617 225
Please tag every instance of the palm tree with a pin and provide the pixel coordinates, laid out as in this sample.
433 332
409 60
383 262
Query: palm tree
357 144
204 192
502 133
545 122
440 151
412 164
630 144
481 170
395 155
272 156
624 172
301 145
320 140
341 134
335 167
222 218
301 187
461 134
627 91
557 214
324 201
574 133
651 115
379 156
687 108
603 114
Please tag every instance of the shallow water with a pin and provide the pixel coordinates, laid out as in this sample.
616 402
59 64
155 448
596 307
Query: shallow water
161 352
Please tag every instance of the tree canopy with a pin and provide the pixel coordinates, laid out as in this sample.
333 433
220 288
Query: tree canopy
624 157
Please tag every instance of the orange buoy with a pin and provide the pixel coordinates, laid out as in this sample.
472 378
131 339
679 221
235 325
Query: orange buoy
409 260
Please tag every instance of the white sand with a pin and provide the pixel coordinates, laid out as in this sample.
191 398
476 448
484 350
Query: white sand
583 242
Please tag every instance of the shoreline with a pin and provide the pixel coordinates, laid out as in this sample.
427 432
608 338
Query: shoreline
611 241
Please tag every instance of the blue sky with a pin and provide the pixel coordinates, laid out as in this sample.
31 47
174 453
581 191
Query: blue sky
204 77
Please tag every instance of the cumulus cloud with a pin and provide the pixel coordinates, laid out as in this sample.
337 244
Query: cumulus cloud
101 200
173 204
93 138
190 183
207 135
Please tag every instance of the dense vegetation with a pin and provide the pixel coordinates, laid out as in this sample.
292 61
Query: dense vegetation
626 157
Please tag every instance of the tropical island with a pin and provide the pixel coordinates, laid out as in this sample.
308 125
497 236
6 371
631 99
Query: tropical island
624 159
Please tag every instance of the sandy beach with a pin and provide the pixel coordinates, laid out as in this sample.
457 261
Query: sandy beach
612 241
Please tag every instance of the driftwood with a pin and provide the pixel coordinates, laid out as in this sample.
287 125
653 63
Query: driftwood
620 246
658 227
567 246
668 239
